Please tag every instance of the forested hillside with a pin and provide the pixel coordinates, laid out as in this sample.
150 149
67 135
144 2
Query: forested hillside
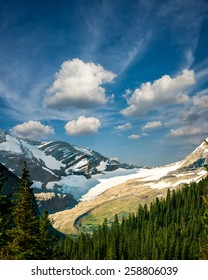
175 227
171 228
24 234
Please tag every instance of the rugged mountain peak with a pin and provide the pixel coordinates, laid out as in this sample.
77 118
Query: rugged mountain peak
56 165
198 157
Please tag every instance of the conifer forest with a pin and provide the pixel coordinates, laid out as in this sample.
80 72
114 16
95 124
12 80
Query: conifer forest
171 228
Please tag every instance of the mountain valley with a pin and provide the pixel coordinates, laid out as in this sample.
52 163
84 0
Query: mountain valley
81 188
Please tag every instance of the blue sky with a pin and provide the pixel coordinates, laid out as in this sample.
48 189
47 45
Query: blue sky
128 79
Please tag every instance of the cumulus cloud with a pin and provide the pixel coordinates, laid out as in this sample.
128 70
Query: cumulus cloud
78 84
185 131
124 127
163 91
82 126
151 125
133 137
32 130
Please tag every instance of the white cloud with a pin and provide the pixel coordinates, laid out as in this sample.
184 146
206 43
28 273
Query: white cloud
164 91
151 125
32 130
82 126
133 137
124 127
201 100
185 131
78 84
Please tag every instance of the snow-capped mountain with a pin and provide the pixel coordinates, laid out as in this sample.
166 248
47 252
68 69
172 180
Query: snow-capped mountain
65 176
56 166
123 193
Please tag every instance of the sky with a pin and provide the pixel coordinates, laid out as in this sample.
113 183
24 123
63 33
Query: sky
126 78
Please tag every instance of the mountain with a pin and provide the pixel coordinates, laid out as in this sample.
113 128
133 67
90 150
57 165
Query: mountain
61 173
140 187
81 187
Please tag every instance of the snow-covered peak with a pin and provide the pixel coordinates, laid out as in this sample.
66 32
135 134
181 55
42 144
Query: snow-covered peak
54 162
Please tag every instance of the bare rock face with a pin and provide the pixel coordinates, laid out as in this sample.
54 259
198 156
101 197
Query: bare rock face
53 202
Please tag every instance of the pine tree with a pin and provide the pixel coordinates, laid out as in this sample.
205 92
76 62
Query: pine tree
47 240
26 242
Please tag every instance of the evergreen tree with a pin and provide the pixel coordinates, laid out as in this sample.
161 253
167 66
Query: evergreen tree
26 238
47 240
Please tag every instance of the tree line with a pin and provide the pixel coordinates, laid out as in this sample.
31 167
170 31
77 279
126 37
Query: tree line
175 227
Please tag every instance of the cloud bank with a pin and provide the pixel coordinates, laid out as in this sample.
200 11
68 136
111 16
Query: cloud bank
78 84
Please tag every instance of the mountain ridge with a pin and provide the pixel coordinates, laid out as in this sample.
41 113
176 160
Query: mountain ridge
56 167
79 186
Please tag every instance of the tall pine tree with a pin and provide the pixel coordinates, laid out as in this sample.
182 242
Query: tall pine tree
26 238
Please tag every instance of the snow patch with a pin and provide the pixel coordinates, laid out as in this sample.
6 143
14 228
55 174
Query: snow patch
109 180
49 161
44 144
49 171
102 166
157 172
37 185
11 145
83 150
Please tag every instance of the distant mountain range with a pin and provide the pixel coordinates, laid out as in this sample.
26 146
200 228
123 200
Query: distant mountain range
82 187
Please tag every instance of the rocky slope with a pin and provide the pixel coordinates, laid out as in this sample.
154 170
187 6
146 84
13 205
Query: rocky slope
143 186
65 171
